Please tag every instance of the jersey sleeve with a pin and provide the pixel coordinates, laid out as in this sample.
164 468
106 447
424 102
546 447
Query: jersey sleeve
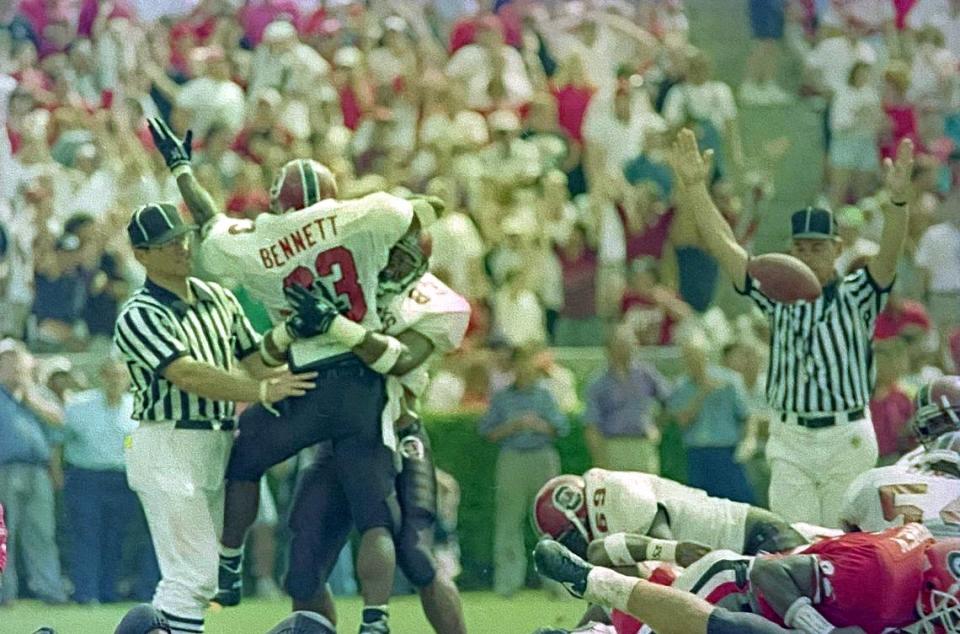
869 296
444 330
226 246
147 339
752 290
855 512
384 216
246 339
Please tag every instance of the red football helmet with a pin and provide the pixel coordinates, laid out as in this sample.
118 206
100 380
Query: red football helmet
299 184
937 409
939 602
561 508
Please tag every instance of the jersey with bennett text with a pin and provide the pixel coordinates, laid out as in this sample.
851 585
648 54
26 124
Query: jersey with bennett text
627 501
343 244
892 496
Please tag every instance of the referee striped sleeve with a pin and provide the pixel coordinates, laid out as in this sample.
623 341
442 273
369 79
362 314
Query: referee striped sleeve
751 290
246 339
147 336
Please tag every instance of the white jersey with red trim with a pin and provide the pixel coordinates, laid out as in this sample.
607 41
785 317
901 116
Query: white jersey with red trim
438 313
627 502
344 244
886 497
434 310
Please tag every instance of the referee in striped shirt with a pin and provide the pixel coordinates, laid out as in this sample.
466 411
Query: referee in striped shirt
821 370
183 340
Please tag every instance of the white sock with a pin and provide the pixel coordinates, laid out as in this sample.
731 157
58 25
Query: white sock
609 588
230 552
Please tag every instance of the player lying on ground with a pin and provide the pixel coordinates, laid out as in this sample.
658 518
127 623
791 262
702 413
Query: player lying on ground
436 317
923 486
901 579
591 514
667 610
343 247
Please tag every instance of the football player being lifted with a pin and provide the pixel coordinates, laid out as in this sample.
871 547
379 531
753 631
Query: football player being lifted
899 580
310 246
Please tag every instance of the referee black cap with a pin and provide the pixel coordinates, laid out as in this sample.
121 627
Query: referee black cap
813 223
156 224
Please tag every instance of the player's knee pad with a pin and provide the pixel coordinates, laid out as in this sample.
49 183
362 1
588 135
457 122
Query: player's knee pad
770 535
415 551
302 580
372 514
245 463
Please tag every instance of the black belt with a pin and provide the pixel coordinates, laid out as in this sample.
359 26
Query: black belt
208 425
816 422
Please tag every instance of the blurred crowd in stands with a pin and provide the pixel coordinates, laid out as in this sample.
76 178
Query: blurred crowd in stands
544 125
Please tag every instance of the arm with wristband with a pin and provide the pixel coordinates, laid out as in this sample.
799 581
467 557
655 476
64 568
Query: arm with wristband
177 154
625 549
790 585
317 313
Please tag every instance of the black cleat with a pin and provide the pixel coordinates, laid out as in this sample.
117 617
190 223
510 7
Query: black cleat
229 581
557 562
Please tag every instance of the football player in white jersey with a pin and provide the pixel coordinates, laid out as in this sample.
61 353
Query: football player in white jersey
923 487
620 518
338 249
433 312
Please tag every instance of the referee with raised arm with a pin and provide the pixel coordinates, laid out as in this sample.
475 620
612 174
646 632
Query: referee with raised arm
182 340
821 370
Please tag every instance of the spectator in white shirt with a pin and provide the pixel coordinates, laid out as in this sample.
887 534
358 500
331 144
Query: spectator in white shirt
942 14
828 64
212 97
282 61
614 126
855 118
494 73
938 255
701 98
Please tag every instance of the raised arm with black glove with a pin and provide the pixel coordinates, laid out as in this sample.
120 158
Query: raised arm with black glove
177 154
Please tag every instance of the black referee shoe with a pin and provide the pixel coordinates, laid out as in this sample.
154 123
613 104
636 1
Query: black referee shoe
229 581
557 562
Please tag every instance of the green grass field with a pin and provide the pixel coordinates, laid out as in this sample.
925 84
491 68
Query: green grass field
486 613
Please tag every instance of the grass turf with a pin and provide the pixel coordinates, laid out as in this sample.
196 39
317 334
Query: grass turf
486 613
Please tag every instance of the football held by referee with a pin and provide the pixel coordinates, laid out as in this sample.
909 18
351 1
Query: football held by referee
182 340
821 369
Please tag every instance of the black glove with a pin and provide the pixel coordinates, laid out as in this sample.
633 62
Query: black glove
312 312
176 152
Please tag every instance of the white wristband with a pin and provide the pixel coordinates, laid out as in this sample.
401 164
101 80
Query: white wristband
180 170
801 615
617 551
347 332
388 359
268 359
662 550
281 337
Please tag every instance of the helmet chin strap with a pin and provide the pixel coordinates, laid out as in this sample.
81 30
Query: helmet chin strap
575 520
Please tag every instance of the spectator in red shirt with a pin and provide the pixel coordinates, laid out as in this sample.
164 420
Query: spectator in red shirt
651 309
890 407
577 323
256 15
901 318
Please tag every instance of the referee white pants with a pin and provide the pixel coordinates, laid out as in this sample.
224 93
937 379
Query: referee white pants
178 475
811 469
